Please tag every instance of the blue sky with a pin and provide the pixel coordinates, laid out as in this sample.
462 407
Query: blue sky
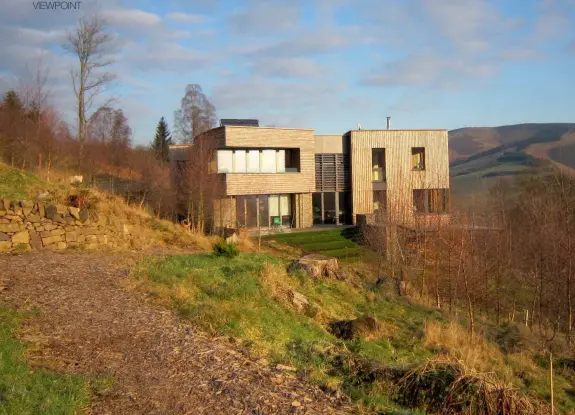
321 64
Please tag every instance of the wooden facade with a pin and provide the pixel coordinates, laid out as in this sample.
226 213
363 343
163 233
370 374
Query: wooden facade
400 177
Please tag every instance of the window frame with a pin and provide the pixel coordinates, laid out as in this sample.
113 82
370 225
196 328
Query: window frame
415 151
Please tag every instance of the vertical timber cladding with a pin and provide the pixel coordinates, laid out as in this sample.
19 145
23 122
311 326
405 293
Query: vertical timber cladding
400 178
272 183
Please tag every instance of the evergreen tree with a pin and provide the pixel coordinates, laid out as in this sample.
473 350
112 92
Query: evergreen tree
162 141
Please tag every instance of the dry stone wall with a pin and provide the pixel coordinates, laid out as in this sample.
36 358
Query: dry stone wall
35 225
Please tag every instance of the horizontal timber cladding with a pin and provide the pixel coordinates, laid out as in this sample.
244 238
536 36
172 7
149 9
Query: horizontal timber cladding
332 173
272 183
401 179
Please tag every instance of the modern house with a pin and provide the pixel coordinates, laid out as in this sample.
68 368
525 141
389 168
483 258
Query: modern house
291 178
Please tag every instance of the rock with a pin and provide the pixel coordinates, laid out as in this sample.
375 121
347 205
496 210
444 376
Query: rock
51 240
35 240
5 246
317 266
353 329
51 211
83 215
2 212
299 301
21 238
45 234
57 232
286 368
6 204
43 196
81 238
26 211
62 245
15 207
9 227
61 209
295 404
103 239
33 219
2 221
50 226
41 210
4 237
39 227
14 218
71 237
27 204
58 219
74 211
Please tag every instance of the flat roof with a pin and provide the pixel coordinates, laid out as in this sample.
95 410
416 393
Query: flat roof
270 128
406 129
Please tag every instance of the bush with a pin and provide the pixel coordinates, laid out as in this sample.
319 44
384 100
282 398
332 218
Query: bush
223 248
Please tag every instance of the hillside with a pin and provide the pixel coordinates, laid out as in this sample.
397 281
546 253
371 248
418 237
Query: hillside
480 156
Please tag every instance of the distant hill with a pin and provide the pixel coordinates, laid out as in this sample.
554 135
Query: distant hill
479 156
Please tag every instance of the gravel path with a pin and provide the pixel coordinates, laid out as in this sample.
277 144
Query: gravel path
90 325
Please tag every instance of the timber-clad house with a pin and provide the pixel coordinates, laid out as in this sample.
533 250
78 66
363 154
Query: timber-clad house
269 177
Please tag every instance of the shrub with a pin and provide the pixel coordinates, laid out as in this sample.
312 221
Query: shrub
223 248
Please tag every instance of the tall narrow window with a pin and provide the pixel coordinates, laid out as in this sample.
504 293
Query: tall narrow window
281 161
419 201
253 161
418 158
378 164
268 161
240 165
225 161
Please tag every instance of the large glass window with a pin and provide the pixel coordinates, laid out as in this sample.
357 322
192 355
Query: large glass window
268 161
285 209
225 161
253 161
378 164
240 164
430 200
241 211
329 208
251 211
281 161
264 211
316 203
344 209
418 158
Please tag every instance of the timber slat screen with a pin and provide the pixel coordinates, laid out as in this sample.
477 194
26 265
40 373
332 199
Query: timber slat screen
332 173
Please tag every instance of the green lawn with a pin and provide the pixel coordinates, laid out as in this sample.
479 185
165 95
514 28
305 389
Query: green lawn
337 243
24 390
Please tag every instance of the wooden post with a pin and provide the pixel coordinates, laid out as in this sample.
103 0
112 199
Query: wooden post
551 381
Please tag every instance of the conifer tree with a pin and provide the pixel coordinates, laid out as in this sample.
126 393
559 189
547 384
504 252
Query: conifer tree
162 141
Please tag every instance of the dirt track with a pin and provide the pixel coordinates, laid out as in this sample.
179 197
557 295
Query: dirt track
89 325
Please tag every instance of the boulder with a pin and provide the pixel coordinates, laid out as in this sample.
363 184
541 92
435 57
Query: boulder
35 240
75 212
353 329
298 300
317 266
51 211
21 238
83 215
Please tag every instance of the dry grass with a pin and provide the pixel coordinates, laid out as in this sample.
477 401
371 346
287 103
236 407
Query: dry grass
448 386
276 282
476 353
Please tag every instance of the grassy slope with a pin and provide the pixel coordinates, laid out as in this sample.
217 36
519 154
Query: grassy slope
144 230
24 390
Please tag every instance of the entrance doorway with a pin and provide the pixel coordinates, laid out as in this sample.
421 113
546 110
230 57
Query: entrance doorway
331 208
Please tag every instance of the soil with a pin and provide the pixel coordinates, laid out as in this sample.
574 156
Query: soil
89 324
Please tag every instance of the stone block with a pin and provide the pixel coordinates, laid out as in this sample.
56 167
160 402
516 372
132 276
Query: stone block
9 227
6 204
14 218
2 220
69 228
35 240
58 219
4 236
33 219
41 210
91 238
71 237
45 234
69 220
83 215
27 204
15 207
73 244
75 212
58 232
62 245
50 226
21 238
51 240
81 238
29 226
51 211
61 209
39 228
2 212
26 211
5 246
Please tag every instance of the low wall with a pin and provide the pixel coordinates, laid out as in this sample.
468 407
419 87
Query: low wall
29 225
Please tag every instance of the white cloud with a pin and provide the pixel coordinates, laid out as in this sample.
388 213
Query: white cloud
265 17
132 18
186 17
287 67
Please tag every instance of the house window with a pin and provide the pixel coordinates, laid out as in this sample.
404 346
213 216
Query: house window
268 161
253 161
418 158
379 201
240 164
430 200
378 164
225 161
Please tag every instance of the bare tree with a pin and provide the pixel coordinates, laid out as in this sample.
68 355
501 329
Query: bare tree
91 45
195 116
